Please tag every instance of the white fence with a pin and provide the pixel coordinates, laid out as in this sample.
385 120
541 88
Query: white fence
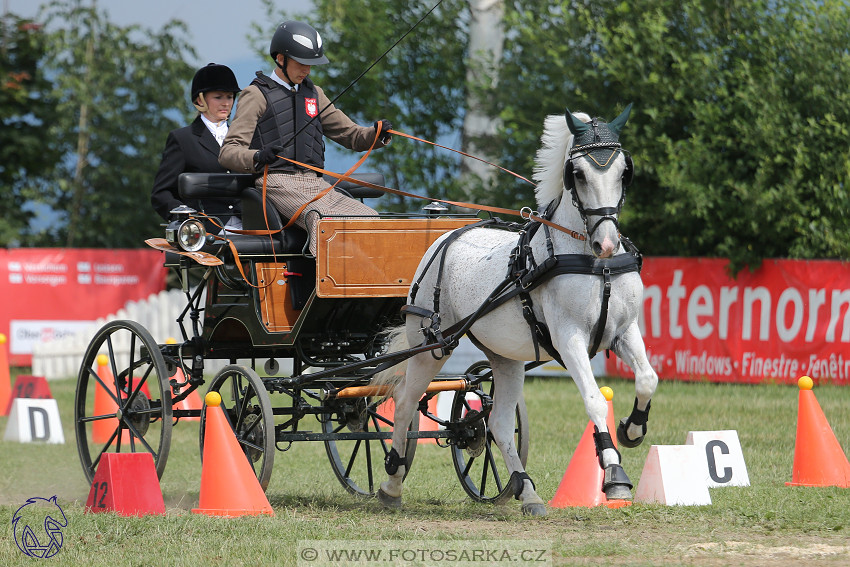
61 358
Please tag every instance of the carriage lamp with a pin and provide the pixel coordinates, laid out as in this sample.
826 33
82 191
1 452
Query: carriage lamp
185 232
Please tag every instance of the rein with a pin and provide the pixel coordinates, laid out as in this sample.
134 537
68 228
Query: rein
525 213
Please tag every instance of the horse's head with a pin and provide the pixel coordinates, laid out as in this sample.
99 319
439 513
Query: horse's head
596 173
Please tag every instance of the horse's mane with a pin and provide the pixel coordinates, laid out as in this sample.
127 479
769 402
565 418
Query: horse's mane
551 157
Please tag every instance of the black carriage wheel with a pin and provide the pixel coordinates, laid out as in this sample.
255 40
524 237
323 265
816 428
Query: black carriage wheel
248 409
359 464
479 465
123 400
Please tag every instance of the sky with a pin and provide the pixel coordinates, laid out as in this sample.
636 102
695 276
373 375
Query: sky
218 28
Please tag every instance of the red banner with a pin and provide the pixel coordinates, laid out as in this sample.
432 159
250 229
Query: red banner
787 319
53 292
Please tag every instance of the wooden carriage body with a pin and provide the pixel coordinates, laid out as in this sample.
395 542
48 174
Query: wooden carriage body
332 305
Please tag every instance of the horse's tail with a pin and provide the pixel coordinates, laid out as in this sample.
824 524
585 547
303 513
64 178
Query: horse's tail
396 341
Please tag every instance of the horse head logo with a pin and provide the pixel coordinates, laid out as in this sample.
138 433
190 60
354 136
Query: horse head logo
38 527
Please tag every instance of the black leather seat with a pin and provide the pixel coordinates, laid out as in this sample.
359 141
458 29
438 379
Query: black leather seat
242 186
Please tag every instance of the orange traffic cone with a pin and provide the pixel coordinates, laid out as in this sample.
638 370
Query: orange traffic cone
5 377
581 484
104 403
818 458
229 486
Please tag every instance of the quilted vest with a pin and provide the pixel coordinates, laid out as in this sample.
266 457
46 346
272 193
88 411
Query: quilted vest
286 113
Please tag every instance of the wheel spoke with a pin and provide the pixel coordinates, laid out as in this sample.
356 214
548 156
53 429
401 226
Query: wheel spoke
244 443
131 367
142 381
353 457
133 432
484 469
492 461
465 473
112 365
384 445
369 476
106 388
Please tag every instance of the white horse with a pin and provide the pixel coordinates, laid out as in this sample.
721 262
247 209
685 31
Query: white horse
581 174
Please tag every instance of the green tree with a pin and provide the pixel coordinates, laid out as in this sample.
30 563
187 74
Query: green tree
23 109
740 125
117 92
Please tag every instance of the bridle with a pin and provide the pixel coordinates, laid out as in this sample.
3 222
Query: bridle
586 150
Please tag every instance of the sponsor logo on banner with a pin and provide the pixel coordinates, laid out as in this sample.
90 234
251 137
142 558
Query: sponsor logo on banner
311 106
25 334
57 291
786 319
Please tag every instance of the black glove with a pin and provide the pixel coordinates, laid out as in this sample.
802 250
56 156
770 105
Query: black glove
267 155
386 125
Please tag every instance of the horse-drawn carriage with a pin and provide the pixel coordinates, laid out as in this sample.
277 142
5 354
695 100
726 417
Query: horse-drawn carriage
263 297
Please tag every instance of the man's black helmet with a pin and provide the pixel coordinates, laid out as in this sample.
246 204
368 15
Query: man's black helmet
214 77
298 41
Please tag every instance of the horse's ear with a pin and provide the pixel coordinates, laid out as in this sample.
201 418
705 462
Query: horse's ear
575 125
617 124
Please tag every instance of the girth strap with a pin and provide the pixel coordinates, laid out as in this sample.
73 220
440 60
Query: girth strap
603 312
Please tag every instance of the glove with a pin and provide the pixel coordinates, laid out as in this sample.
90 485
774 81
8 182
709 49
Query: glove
386 125
267 155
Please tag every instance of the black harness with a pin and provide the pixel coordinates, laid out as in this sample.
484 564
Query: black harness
524 275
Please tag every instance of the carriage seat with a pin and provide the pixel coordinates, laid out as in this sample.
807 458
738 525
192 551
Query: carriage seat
242 186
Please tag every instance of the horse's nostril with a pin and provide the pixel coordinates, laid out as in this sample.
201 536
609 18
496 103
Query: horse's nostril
597 248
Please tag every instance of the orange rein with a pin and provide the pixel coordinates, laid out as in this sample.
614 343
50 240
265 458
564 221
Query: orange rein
525 213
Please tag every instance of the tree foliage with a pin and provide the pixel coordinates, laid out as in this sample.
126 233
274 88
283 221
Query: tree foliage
114 94
740 125
740 122
23 114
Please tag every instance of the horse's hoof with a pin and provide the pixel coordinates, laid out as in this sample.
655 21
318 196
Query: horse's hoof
389 502
616 484
534 509
623 437
618 492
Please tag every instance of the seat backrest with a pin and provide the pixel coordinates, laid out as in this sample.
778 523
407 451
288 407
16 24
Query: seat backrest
252 211
213 185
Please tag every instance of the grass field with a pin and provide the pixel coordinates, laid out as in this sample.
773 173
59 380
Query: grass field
766 523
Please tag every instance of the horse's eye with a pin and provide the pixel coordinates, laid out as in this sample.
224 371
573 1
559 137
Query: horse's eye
580 175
